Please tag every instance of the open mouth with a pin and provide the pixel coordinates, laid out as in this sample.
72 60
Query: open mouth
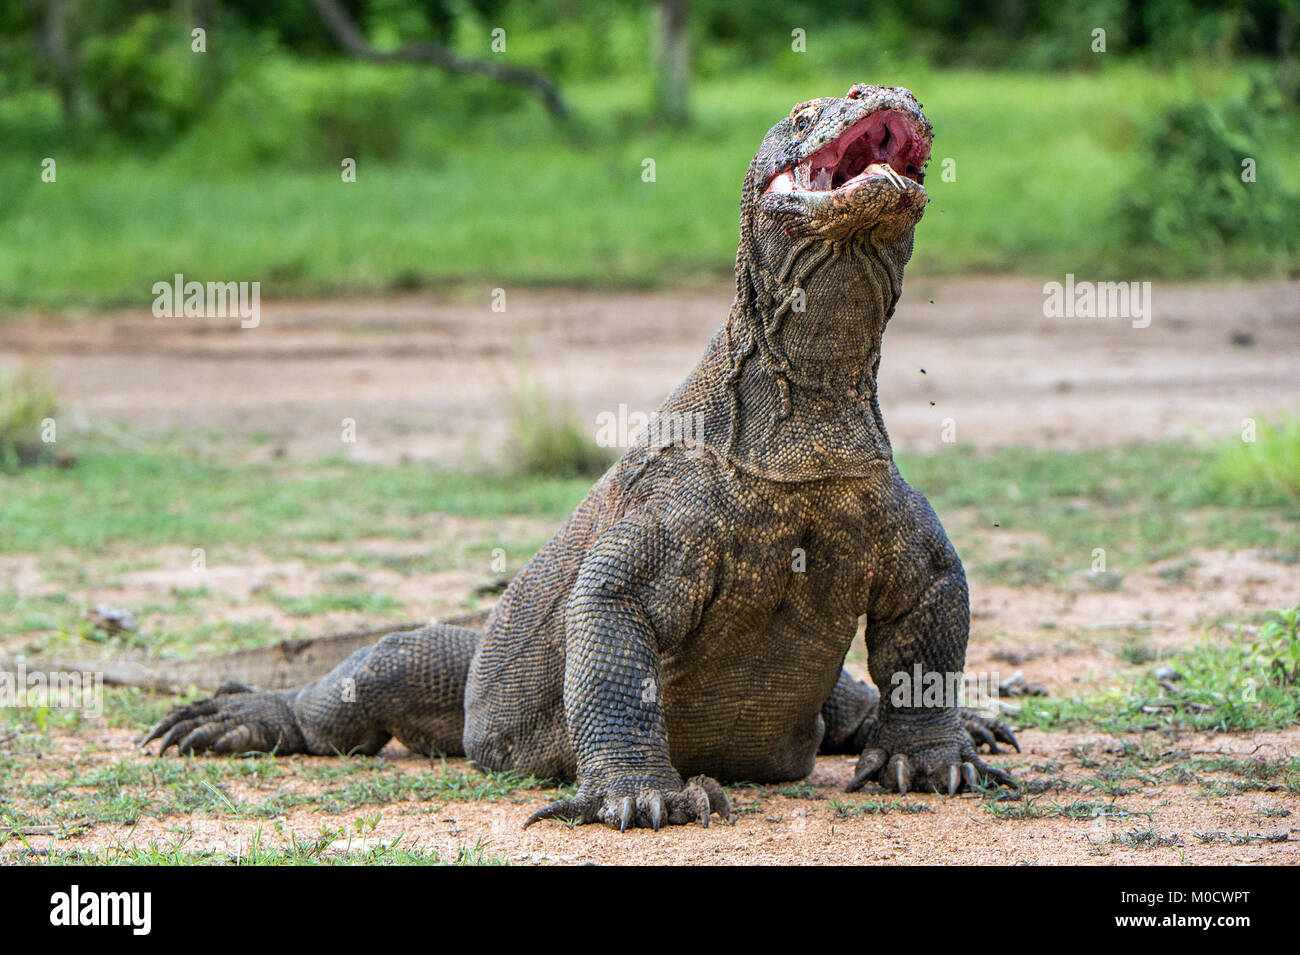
884 145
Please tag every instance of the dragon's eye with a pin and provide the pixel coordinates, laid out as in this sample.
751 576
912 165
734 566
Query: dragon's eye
803 121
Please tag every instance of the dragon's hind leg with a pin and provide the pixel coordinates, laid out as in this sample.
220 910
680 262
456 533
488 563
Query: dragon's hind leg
409 685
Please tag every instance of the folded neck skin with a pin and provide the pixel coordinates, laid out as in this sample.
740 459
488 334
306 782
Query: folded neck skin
788 384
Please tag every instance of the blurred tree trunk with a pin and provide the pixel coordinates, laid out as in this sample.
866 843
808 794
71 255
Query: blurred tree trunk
353 42
674 55
201 16
59 60
1288 71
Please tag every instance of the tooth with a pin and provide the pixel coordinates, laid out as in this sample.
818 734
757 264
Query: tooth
894 177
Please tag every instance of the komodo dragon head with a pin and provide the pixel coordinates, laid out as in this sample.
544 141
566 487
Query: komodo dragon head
839 166
827 215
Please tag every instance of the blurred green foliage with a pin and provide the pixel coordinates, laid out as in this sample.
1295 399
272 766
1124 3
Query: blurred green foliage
547 439
142 84
1260 468
26 401
1210 181
225 164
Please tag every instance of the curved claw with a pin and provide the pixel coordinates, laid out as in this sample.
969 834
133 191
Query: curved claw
868 764
982 737
625 813
652 808
972 777
188 714
178 734
715 799
715 794
1004 734
954 779
202 738
561 809
902 773
997 775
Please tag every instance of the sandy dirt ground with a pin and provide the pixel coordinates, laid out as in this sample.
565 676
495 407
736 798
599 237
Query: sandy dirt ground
433 377
1160 821
430 377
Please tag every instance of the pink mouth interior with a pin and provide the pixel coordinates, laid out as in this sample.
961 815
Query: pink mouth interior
886 137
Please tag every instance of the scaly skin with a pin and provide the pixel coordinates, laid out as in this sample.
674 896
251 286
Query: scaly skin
690 620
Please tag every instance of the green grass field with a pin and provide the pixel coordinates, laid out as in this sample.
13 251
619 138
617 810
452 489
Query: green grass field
445 195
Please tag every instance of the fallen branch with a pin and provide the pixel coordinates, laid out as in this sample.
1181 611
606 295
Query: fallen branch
353 42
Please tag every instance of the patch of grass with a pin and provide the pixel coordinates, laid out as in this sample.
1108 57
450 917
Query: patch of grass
370 787
404 564
377 605
877 807
121 793
1147 838
27 403
1001 804
145 499
1265 470
1277 645
1178 574
1254 775
1026 809
344 578
172 639
129 707
77 791
1142 504
801 791
40 720
1030 570
1237 838
191 593
1105 581
547 440
1136 652
331 847
1271 812
1084 809
29 614
1223 685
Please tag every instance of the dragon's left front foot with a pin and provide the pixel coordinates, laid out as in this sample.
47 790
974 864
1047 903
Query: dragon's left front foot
925 752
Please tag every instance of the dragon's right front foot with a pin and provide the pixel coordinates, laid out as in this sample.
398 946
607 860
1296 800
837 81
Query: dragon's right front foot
234 720
649 807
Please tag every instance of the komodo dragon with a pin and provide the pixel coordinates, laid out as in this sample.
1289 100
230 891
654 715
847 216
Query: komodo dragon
689 622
